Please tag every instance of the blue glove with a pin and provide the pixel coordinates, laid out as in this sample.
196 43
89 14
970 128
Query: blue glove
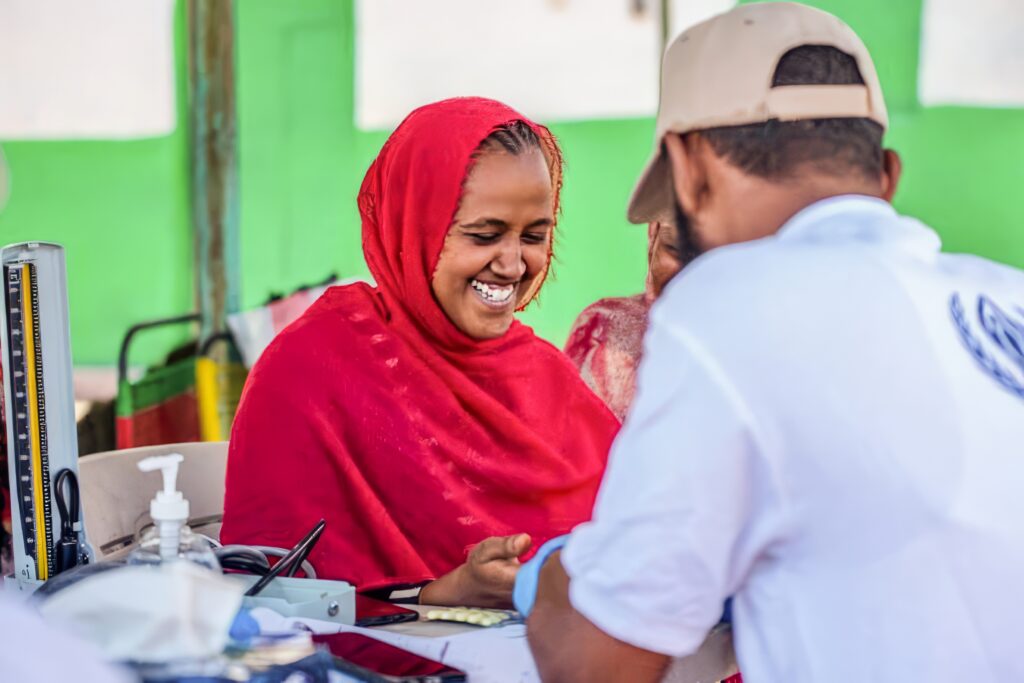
244 628
525 592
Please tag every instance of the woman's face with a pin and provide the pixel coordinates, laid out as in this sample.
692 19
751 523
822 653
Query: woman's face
665 258
498 244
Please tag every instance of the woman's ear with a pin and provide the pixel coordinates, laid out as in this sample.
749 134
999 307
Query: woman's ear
688 173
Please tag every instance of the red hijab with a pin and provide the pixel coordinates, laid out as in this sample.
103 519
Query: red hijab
375 412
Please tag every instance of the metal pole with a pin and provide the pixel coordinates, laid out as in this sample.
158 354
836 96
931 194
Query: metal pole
214 161
666 26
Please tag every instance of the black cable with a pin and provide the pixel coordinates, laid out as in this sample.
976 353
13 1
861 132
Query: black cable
243 558
244 564
65 550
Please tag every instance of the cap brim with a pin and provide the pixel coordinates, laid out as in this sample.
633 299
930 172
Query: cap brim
653 197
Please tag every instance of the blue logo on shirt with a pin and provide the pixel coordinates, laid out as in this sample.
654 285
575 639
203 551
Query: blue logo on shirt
1003 331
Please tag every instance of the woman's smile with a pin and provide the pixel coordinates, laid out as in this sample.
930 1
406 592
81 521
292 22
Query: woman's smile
494 295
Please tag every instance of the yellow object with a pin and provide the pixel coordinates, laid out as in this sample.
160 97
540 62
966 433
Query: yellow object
42 549
218 389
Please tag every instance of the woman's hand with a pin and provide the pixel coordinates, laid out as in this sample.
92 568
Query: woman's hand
485 580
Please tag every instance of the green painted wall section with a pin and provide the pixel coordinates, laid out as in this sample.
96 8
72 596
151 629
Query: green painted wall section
121 208
302 161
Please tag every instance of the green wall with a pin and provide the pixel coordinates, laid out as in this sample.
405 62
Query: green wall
121 208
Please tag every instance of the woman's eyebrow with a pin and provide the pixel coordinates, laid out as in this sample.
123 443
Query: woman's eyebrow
502 225
486 223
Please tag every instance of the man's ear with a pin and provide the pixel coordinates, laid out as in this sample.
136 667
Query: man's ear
689 176
892 171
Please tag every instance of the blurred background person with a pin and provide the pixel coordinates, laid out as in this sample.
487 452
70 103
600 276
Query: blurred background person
606 341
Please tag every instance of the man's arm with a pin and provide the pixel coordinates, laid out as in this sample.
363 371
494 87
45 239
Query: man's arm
567 647
687 505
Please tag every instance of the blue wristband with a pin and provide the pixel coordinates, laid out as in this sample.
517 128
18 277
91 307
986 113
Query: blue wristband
525 592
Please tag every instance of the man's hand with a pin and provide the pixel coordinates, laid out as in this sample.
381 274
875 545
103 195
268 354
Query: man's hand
485 580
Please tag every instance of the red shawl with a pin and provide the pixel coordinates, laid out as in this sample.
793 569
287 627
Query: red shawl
606 343
376 413
607 340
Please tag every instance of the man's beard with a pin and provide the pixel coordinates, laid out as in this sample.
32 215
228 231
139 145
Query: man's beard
689 249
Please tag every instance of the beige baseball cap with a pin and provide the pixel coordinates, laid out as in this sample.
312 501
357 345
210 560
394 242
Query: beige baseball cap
719 73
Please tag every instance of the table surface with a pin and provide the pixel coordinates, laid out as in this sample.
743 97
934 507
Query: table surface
714 660
428 629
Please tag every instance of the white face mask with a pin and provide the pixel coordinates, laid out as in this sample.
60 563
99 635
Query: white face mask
177 611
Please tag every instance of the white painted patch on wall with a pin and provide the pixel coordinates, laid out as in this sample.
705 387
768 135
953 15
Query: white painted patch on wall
972 53
99 69
685 13
551 59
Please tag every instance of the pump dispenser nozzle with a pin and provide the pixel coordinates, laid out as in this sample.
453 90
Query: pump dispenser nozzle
170 538
169 509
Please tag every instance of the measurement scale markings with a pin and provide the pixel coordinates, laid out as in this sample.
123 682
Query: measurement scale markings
37 422
32 462
23 466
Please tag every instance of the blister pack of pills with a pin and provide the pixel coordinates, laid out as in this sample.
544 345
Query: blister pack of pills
474 616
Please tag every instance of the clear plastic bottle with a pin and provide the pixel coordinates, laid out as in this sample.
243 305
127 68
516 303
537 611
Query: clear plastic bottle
190 547
170 538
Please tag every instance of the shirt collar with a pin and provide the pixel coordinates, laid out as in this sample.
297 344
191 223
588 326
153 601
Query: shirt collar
859 218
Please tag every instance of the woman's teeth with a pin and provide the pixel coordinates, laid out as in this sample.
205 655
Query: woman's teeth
493 294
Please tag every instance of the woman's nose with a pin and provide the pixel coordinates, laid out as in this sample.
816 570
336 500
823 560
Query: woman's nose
509 263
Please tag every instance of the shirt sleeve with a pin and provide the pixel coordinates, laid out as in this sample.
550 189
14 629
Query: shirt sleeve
687 505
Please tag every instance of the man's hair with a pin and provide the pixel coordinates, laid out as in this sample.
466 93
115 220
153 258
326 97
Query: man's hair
778 150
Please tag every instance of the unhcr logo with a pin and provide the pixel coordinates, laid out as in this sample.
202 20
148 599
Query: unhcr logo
999 347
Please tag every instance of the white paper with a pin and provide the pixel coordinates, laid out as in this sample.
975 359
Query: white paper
98 69
550 59
487 655
972 53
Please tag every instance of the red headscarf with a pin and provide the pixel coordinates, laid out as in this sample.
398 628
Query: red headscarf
374 411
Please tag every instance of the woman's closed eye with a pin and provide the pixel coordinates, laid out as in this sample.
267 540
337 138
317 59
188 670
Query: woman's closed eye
491 237
535 237
484 237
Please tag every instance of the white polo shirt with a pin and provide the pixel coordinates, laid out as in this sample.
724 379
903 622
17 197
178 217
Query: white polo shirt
829 427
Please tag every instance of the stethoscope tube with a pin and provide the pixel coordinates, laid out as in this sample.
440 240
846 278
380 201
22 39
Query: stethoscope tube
65 550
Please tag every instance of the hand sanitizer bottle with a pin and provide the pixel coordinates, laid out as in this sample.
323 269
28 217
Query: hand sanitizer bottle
170 537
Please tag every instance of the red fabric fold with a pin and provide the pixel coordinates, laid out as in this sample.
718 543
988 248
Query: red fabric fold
376 413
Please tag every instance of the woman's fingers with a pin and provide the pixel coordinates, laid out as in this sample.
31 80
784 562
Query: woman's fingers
521 543
501 548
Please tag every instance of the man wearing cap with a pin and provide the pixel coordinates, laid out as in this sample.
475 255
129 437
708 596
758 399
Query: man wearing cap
829 426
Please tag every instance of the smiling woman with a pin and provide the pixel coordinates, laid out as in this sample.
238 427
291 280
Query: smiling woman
419 417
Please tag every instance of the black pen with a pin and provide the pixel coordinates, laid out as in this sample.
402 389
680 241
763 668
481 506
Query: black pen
300 550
